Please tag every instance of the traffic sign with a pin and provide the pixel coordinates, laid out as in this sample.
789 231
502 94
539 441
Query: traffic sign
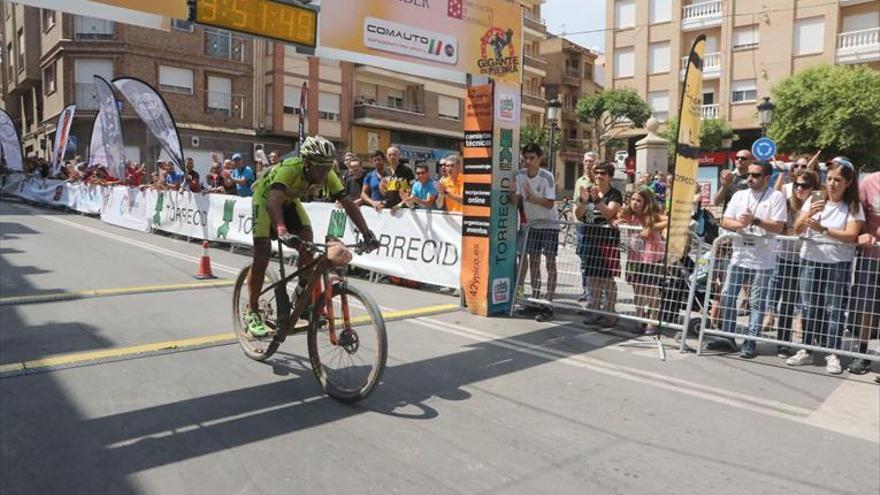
764 149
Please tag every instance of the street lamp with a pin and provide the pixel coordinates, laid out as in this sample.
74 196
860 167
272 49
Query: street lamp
552 119
765 114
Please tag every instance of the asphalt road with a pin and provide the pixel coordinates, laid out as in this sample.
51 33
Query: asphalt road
139 390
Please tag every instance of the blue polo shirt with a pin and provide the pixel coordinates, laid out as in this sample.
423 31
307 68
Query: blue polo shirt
245 172
422 191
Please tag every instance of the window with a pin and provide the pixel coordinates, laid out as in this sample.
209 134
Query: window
860 22
448 107
49 79
809 35
220 94
89 28
395 98
47 18
11 65
661 11
328 106
175 79
659 102
571 133
743 91
181 25
658 57
291 99
85 70
270 103
20 52
224 44
624 14
745 37
624 61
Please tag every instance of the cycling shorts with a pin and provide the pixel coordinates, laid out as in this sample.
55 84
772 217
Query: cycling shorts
295 218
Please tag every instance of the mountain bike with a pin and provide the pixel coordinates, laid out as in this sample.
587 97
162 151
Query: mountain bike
345 329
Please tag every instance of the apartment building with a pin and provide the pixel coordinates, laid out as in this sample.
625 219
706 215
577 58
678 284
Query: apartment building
751 46
205 75
570 77
534 66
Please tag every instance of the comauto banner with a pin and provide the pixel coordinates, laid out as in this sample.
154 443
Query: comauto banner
450 37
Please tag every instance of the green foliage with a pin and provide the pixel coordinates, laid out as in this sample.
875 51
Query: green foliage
612 111
712 133
540 135
835 108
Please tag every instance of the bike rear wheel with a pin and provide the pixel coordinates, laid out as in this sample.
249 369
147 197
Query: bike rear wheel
256 348
350 368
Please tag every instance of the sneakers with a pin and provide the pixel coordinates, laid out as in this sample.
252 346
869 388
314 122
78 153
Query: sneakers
859 366
546 314
783 352
748 354
800 358
650 331
832 365
255 325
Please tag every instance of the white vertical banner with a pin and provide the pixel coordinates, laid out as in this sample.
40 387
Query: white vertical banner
10 142
155 114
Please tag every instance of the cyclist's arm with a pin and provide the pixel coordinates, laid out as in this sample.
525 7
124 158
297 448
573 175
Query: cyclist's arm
354 213
275 205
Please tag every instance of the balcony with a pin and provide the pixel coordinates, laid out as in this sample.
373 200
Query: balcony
225 107
86 96
531 21
701 15
711 66
711 111
534 64
405 118
90 28
857 47
225 45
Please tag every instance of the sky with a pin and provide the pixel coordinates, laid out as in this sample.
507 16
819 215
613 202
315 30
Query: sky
569 16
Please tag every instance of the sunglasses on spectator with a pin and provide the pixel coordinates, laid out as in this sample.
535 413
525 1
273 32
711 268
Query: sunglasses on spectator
742 158
600 172
802 185
756 175
801 165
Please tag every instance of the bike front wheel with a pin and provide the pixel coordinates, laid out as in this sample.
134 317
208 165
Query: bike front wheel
349 361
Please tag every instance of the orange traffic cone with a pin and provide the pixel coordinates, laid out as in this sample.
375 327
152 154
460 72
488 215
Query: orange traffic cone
205 264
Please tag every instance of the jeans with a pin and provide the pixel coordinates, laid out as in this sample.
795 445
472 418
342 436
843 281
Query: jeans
784 295
736 277
825 290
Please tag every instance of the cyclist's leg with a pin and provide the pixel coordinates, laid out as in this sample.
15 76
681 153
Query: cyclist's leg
261 228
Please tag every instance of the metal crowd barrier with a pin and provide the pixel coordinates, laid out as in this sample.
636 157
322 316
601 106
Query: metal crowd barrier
610 272
830 308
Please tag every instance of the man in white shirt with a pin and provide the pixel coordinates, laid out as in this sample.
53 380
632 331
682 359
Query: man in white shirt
757 214
537 188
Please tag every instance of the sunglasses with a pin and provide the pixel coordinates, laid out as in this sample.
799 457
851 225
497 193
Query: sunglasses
600 172
420 172
755 175
802 185
802 165
742 158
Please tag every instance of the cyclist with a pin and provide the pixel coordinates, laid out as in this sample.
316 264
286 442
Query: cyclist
278 213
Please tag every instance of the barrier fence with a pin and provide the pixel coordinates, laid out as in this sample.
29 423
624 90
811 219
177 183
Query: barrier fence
611 273
414 244
821 296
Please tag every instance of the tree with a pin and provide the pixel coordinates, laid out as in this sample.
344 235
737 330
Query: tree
712 133
836 109
539 135
612 112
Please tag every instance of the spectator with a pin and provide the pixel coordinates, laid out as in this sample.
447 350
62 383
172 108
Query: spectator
599 250
658 185
354 181
757 214
102 177
261 161
191 179
173 178
667 200
371 194
450 190
215 180
732 182
228 184
398 180
584 182
537 188
134 174
802 162
866 291
783 295
831 226
424 191
242 176
644 266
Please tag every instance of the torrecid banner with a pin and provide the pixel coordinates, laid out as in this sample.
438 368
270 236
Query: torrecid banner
687 153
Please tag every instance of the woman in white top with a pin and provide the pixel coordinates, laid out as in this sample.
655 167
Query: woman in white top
831 226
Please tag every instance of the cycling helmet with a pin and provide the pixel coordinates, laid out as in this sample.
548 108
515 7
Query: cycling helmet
318 151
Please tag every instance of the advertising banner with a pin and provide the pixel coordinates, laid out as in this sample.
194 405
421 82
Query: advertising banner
687 154
452 37
62 133
476 223
154 113
179 212
9 142
303 110
126 207
86 198
111 142
504 221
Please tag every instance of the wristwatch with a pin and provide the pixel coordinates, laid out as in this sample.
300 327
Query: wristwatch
756 222
823 230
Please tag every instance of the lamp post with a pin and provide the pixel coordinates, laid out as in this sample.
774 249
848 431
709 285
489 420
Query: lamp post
552 119
765 114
